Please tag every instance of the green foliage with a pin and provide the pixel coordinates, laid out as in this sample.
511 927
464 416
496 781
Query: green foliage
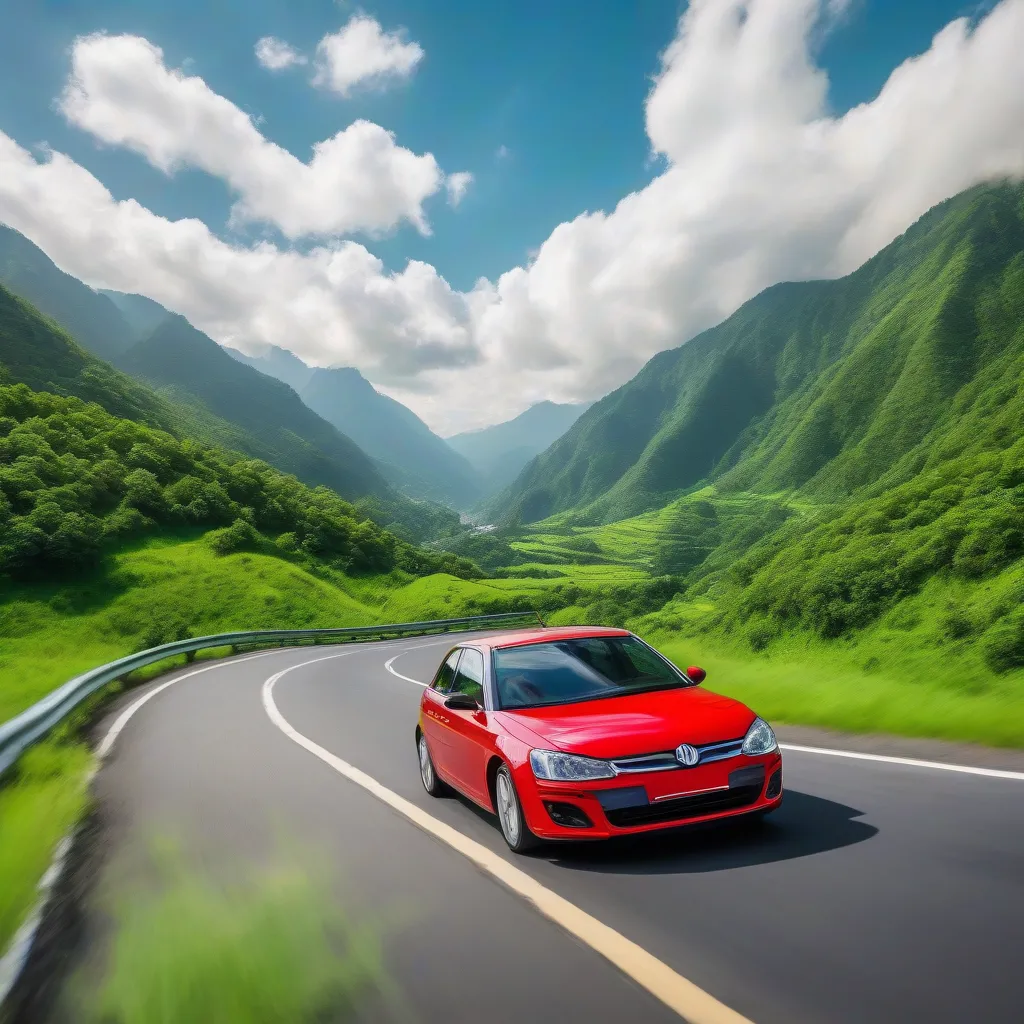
39 803
1003 645
261 948
830 387
78 482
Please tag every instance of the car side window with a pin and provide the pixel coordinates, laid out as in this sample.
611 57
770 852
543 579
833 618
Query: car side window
470 676
446 673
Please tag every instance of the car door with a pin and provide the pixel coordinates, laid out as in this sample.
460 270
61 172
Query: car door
468 733
434 719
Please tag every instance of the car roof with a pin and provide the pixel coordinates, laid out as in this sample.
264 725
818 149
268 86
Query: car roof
547 634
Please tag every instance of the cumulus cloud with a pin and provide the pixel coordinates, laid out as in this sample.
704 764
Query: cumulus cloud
362 53
761 184
276 54
457 184
360 179
335 301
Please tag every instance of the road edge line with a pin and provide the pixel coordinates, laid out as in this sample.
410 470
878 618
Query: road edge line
856 755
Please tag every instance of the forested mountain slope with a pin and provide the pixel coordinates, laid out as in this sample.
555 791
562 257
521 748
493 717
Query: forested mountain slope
825 386
35 351
272 422
89 317
413 457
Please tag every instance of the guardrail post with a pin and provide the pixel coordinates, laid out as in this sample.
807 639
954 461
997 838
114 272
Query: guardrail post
190 656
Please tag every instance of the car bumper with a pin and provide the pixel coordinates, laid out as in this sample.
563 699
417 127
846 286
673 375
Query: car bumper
651 801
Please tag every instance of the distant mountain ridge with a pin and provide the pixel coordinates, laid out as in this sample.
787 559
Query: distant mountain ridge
499 452
189 367
828 386
411 456
279 363
142 315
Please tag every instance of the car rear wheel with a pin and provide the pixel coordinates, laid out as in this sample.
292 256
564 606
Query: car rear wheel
428 775
510 814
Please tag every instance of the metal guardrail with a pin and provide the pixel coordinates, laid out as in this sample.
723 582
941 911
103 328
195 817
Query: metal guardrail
18 734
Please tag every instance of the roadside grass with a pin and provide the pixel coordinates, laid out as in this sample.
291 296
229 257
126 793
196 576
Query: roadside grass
265 947
811 686
919 671
42 800
153 594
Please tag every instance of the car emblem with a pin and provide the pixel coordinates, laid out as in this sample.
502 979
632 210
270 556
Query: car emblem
687 755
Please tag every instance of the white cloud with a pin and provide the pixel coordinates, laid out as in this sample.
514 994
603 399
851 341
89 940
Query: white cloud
361 52
121 91
457 184
760 185
335 303
276 54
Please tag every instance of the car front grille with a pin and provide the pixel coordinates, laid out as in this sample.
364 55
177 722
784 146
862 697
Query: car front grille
743 790
666 761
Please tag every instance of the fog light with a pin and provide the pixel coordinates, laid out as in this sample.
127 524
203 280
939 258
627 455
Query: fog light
568 815
774 785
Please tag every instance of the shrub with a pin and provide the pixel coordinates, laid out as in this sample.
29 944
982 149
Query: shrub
1003 645
239 536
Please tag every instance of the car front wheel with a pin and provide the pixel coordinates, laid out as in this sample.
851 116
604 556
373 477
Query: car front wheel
510 814
428 775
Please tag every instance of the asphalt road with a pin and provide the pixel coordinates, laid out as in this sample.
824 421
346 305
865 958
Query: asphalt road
879 892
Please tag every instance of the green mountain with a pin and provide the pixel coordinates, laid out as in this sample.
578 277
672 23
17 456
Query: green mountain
89 317
277 363
267 419
829 387
410 454
38 352
499 453
142 315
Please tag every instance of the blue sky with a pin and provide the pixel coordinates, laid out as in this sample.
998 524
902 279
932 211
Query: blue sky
792 139
559 84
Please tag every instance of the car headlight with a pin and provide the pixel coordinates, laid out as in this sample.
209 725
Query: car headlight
759 739
558 767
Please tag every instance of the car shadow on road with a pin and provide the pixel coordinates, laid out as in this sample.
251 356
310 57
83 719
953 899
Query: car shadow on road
803 826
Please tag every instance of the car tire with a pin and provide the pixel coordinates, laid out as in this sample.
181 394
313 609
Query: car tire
428 773
511 821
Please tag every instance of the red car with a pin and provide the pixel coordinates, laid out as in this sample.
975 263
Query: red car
590 733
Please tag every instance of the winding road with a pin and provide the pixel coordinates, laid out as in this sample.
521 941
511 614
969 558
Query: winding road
881 891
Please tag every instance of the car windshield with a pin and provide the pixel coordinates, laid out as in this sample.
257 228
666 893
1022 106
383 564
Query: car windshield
587 668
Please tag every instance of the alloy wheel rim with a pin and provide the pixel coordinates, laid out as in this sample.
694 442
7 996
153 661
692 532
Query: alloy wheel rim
507 810
426 768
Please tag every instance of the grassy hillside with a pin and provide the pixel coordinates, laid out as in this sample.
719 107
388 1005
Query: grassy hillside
828 387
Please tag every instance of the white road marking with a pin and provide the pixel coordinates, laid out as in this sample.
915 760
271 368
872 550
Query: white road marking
123 719
409 679
910 762
966 769
683 996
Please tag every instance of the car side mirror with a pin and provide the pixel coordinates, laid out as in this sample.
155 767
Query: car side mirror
461 702
696 674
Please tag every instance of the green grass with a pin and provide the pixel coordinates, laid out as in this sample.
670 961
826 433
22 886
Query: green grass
814 685
266 949
158 592
920 670
38 806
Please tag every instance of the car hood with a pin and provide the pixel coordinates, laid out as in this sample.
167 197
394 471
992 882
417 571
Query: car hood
643 723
